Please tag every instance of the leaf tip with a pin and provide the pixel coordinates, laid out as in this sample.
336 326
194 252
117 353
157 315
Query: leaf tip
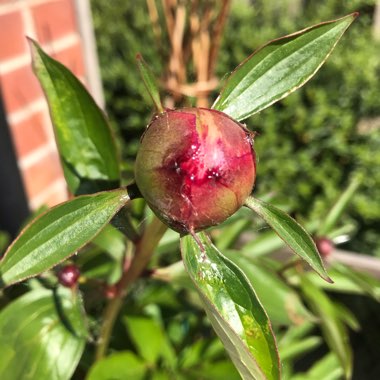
355 14
328 279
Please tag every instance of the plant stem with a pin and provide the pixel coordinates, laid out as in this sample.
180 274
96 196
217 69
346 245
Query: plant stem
143 252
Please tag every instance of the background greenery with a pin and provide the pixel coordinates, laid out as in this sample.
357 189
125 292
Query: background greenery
311 144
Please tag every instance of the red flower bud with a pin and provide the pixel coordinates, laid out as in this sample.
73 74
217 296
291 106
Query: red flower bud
195 167
68 276
325 246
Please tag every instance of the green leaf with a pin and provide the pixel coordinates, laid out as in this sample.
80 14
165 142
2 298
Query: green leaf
150 82
142 330
297 349
278 68
58 233
296 238
336 211
86 145
229 234
119 366
280 301
262 244
367 283
42 336
111 241
326 368
233 309
333 329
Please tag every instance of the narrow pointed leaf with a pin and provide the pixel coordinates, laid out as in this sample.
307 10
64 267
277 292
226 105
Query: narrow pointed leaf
278 68
296 238
42 336
86 145
233 309
58 233
336 211
150 82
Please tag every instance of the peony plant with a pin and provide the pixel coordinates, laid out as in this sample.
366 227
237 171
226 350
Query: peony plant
195 168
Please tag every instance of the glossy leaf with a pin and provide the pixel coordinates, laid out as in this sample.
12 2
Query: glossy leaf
59 233
118 366
296 238
334 331
86 146
278 68
280 301
233 309
150 82
42 336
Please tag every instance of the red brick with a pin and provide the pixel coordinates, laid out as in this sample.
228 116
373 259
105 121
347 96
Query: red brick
29 134
72 58
12 39
19 87
42 174
54 20
52 199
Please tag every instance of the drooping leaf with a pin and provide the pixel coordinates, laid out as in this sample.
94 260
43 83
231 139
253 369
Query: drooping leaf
86 146
42 336
296 238
118 366
233 309
150 82
334 331
278 68
59 233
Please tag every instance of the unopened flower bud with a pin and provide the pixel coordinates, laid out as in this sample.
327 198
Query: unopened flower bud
195 167
325 246
68 276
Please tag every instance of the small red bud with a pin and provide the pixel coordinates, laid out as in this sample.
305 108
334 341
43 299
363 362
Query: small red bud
111 291
68 276
195 167
325 246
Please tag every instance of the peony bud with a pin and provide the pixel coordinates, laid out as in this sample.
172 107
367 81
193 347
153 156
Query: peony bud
68 276
325 246
195 167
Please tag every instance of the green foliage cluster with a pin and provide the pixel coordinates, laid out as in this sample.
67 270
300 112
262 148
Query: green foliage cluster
312 143
315 140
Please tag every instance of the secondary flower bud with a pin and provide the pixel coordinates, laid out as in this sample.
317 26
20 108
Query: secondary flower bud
325 246
68 276
195 167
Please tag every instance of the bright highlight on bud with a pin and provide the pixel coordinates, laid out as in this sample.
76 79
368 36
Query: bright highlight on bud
195 167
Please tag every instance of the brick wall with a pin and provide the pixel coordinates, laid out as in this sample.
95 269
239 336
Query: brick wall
53 24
